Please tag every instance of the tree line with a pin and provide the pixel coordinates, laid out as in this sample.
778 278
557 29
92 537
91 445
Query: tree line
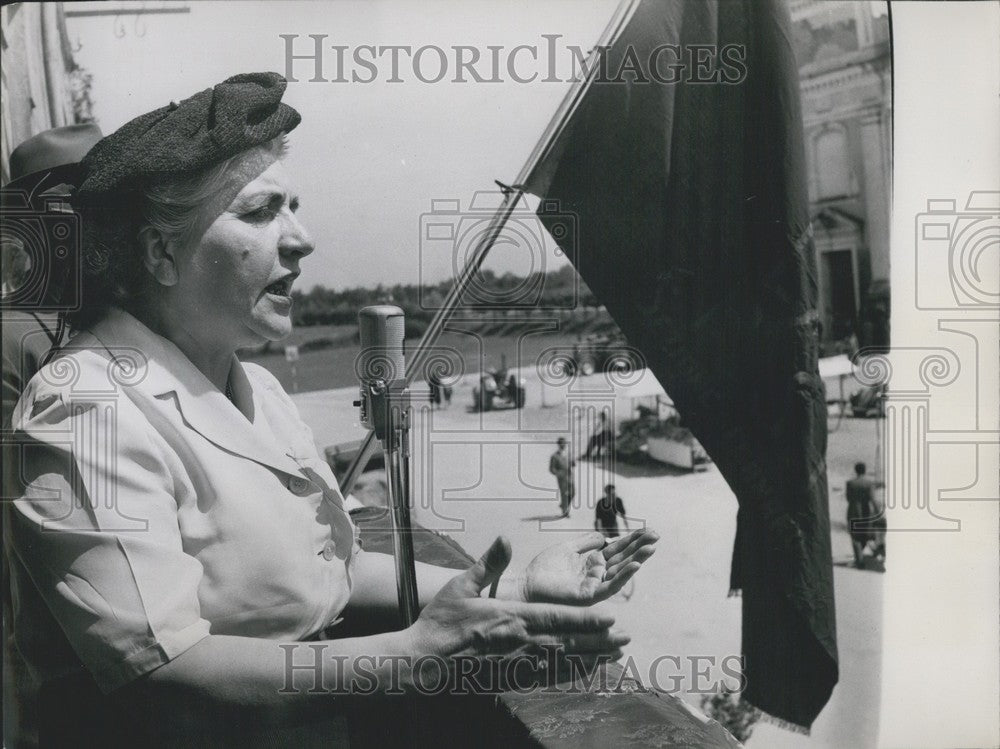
558 289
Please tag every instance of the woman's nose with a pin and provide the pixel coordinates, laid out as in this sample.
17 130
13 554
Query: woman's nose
295 239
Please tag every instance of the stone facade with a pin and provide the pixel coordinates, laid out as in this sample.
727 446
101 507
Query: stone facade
846 83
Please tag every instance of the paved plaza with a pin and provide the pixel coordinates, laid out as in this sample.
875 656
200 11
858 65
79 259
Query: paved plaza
480 475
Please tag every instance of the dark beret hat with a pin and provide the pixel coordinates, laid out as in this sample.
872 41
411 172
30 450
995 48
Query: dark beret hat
209 127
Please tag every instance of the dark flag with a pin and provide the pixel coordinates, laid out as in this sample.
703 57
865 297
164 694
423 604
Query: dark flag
685 166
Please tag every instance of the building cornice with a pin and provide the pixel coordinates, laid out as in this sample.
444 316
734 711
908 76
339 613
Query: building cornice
876 54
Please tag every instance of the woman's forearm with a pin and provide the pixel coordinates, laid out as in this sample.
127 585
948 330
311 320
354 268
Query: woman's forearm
252 672
373 578
235 678
374 584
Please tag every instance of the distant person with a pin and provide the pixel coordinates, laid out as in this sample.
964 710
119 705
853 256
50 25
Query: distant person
561 466
878 542
609 508
861 506
435 390
440 394
600 439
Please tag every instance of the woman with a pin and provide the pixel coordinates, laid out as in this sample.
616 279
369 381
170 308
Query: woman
177 522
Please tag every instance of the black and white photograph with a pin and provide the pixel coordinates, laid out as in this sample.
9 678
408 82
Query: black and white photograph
550 374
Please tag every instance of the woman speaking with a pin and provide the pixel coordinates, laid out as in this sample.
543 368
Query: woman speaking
178 531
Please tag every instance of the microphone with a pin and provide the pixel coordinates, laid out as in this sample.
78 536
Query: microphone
381 366
385 409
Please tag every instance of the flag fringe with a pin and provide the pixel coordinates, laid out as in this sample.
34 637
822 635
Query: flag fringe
781 723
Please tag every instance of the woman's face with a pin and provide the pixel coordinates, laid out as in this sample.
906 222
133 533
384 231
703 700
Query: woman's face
237 279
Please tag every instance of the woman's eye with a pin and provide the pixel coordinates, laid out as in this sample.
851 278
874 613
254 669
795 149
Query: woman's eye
264 213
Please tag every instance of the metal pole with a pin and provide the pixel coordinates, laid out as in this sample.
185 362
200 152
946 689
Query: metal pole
397 466
542 149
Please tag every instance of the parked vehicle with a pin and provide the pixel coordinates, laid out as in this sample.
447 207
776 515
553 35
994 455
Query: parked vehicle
593 353
869 402
499 389
675 445
656 433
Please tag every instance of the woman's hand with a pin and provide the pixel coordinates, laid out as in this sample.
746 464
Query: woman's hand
457 622
583 571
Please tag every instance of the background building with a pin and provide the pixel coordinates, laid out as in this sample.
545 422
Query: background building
846 82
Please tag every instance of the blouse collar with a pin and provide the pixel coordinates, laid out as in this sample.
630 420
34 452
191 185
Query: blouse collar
148 362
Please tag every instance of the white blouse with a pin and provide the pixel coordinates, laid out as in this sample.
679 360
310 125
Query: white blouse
156 511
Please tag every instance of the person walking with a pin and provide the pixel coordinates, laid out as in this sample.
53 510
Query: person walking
609 508
860 507
561 466
601 438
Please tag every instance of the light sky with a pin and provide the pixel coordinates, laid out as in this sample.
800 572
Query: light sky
368 158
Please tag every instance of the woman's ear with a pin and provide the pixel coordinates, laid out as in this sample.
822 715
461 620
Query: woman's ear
158 256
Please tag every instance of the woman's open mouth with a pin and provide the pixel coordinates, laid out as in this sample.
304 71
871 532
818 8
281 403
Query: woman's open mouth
282 287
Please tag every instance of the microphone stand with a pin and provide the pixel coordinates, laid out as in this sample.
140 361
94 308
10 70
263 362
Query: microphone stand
396 451
512 195
385 409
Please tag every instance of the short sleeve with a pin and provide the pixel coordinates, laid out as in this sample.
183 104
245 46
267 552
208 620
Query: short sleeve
97 532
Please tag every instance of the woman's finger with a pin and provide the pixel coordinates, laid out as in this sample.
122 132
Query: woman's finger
547 618
588 542
640 556
609 587
510 628
586 642
620 543
595 563
490 566
629 545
